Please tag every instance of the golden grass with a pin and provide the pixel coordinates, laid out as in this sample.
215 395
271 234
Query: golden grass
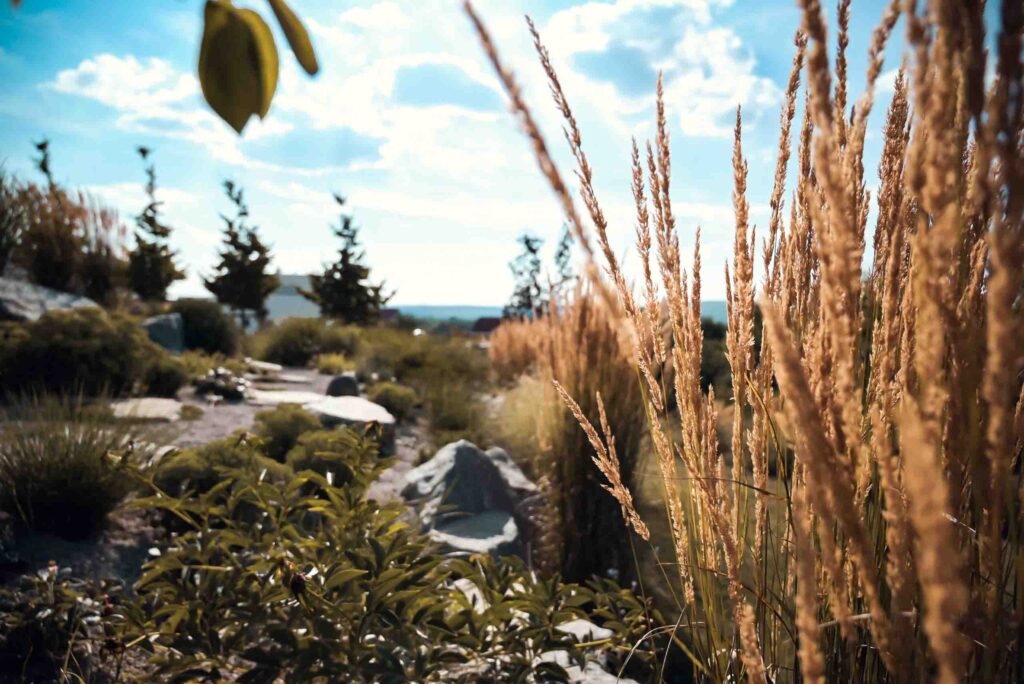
889 549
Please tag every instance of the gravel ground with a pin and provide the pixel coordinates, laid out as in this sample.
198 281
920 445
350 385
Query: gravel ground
222 419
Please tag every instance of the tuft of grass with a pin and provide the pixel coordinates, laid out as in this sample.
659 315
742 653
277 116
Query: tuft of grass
55 472
202 468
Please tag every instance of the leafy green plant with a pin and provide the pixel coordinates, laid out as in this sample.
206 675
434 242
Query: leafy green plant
334 587
55 475
238 62
282 427
207 327
202 468
297 341
399 400
54 627
342 456
80 350
198 363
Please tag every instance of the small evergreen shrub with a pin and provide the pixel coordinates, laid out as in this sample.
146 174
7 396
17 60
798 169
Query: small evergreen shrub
207 327
281 427
164 376
399 400
334 364
202 468
297 341
55 473
83 350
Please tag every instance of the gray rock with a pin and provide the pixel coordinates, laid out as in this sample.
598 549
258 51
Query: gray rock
470 498
23 301
488 532
344 385
263 367
355 412
154 409
262 397
167 330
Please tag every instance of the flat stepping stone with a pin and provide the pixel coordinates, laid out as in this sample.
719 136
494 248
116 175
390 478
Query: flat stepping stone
263 366
349 410
276 397
156 409
493 532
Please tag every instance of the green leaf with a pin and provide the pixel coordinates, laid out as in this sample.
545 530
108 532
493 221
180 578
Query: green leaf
238 63
297 36
343 577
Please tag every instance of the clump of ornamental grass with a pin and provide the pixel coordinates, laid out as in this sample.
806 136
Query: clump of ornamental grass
56 471
580 342
887 546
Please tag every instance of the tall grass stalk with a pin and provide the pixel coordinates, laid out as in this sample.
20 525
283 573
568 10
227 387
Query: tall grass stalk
888 545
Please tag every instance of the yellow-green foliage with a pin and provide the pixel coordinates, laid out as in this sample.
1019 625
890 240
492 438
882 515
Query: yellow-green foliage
281 427
198 363
340 455
334 364
399 400
297 341
84 351
201 468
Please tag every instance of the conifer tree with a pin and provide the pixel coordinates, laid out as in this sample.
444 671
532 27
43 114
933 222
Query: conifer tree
151 267
241 280
528 296
563 258
343 290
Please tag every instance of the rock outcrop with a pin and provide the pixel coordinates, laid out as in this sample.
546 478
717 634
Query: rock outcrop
469 498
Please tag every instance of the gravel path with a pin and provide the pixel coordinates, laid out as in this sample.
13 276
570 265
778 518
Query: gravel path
221 420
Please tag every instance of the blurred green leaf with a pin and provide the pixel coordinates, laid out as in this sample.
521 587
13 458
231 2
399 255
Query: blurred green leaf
238 63
298 37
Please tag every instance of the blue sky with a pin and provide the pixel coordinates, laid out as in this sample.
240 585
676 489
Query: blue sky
407 121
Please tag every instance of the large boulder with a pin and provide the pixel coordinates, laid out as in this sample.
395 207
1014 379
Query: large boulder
23 301
470 498
167 330
355 412
344 385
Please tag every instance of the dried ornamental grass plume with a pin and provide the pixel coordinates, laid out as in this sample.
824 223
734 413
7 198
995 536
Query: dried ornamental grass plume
890 391
540 149
945 597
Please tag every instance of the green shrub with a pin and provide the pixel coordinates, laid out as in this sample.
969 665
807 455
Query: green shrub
199 363
55 474
336 588
334 364
390 353
342 456
281 427
399 400
207 327
83 350
297 341
454 412
201 468
164 376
